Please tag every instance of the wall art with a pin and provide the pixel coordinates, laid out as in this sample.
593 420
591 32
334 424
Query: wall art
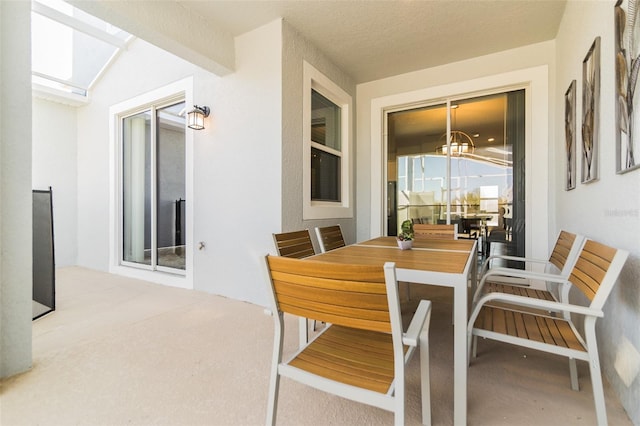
570 135
591 112
627 49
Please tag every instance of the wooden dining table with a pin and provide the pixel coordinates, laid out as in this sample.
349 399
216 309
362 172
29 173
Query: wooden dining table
449 263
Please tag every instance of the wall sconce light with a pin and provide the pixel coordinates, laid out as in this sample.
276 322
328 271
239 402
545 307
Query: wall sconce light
195 117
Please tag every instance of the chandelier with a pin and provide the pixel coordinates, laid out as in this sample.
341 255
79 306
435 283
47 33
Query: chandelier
460 143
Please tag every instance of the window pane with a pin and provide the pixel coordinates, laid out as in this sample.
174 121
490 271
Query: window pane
67 59
482 178
171 186
325 121
90 56
136 191
325 176
83 17
51 47
402 174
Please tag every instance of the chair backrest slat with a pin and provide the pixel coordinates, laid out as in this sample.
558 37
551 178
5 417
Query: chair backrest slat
349 295
562 250
330 238
296 244
442 232
592 267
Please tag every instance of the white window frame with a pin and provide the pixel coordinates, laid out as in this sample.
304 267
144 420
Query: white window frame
314 79
178 91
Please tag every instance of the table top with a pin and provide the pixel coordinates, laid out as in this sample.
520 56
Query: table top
434 244
447 256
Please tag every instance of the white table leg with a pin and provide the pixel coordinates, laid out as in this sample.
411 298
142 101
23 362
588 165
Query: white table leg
460 354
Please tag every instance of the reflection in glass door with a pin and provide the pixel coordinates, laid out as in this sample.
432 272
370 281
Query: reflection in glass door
136 188
454 163
153 188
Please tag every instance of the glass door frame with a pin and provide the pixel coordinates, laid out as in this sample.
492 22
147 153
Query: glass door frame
539 136
153 160
181 90
447 102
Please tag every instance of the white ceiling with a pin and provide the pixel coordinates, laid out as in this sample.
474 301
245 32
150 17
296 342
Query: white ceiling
370 40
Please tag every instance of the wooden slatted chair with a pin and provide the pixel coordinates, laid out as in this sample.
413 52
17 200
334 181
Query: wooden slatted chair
531 322
441 232
296 244
330 238
362 353
431 231
560 263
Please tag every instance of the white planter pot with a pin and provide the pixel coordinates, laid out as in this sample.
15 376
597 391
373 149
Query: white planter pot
405 244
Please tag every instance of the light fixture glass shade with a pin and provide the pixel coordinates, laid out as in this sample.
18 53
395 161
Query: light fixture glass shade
460 143
195 117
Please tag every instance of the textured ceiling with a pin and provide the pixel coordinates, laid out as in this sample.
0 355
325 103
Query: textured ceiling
376 39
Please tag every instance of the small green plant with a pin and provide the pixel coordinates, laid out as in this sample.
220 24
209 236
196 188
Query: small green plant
406 231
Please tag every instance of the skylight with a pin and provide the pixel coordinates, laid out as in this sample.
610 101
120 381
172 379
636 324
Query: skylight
70 48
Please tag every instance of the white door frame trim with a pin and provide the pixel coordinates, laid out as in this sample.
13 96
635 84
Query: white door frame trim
535 82
182 88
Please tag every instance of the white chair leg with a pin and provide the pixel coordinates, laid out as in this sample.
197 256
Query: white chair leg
274 382
425 378
272 404
399 397
573 374
474 347
598 392
303 331
399 418
596 375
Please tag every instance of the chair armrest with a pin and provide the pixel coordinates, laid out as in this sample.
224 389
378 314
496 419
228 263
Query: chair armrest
516 273
485 264
522 273
419 322
518 258
536 303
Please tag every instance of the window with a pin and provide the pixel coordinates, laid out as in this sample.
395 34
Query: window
151 219
325 149
70 49
327 139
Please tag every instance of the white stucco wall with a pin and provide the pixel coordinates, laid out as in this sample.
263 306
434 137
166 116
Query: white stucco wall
607 210
15 188
138 70
530 65
236 172
238 163
55 165
297 49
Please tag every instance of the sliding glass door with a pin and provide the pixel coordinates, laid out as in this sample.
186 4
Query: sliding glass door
153 188
454 162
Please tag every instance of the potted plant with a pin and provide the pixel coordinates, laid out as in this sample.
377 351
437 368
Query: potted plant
405 237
